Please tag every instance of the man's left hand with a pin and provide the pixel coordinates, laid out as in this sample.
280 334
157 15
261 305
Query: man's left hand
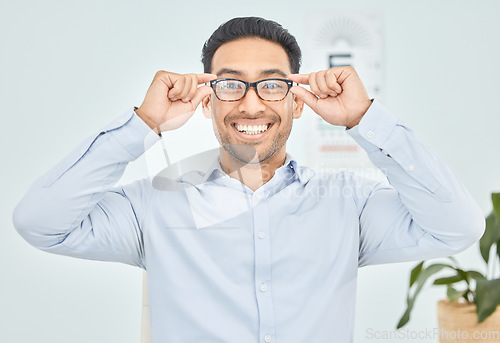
337 95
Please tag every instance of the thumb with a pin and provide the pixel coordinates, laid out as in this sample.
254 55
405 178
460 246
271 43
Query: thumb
201 93
309 98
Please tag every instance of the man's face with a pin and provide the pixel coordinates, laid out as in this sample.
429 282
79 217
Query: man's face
252 59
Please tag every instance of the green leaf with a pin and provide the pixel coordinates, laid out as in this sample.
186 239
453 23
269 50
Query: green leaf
415 273
454 260
464 275
405 318
491 235
498 248
449 280
495 199
453 294
487 298
472 274
419 282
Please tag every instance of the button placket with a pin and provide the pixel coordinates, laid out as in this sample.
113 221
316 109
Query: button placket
262 248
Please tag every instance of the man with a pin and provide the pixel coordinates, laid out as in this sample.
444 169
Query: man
254 248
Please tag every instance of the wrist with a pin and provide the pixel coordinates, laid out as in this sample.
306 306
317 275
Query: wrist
358 118
148 121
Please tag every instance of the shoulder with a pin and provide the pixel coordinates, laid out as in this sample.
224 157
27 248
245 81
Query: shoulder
358 186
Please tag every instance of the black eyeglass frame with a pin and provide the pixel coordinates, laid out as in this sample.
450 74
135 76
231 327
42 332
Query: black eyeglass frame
251 84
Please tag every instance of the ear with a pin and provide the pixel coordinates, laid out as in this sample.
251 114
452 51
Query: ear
206 104
298 106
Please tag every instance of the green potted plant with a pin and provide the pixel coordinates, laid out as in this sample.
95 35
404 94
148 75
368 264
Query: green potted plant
471 288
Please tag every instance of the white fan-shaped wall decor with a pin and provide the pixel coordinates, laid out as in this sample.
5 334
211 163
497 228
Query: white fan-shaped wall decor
343 29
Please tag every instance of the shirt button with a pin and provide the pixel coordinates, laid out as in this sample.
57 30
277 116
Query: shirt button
263 287
262 235
258 196
267 338
370 134
411 167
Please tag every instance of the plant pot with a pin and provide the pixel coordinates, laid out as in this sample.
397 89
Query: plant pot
458 323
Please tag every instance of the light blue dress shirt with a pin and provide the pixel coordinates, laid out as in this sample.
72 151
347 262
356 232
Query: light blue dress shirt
226 264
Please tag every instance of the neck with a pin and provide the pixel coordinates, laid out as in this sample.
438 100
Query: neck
252 175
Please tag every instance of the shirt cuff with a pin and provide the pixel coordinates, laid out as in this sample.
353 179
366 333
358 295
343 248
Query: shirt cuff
374 129
132 133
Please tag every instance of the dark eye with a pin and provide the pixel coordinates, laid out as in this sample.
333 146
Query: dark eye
233 85
230 85
272 85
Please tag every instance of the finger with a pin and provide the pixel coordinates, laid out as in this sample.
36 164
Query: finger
201 92
175 91
158 89
314 86
332 82
299 78
309 98
202 78
186 89
194 87
321 83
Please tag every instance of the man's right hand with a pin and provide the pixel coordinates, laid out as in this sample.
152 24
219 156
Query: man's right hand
172 99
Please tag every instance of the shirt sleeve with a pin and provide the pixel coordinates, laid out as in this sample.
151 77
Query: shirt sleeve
75 210
425 212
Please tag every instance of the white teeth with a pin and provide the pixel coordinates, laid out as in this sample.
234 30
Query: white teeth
252 129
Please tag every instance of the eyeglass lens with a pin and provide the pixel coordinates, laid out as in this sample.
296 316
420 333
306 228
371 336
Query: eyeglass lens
270 90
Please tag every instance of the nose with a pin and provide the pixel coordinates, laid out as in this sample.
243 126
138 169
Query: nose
251 103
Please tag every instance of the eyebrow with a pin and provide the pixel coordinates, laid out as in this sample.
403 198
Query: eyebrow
273 71
265 72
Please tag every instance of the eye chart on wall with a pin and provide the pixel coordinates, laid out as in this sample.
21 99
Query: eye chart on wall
337 39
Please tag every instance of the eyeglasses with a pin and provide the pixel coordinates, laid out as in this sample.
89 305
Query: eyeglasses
267 89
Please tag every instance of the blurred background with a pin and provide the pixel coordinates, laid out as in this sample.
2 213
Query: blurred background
69 67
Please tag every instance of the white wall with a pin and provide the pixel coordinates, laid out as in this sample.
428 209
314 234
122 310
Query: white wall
69 67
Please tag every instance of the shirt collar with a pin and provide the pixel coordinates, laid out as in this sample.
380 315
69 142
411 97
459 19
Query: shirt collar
303 174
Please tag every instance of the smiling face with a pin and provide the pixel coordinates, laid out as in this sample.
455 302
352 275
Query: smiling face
252 130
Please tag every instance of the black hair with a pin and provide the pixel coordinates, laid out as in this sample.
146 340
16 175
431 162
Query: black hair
238 28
